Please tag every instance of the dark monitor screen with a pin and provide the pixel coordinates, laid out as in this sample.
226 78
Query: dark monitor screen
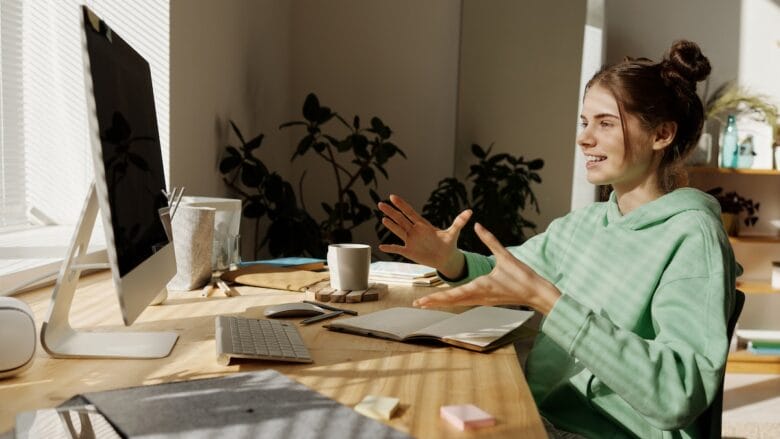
132 159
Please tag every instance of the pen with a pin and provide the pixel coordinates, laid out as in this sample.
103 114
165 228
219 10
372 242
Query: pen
331 308
322 317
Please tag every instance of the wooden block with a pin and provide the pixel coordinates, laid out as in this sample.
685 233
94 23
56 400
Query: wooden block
355 296
377 407
339 296
466 416
324 294
373 292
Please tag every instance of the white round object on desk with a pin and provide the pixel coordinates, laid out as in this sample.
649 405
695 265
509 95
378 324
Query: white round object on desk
17 336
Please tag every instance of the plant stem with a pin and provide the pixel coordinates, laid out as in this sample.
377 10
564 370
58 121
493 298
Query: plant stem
339 193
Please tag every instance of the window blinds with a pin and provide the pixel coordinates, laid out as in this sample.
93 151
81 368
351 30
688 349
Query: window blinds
44 83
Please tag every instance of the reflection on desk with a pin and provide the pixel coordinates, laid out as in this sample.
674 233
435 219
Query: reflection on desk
345 368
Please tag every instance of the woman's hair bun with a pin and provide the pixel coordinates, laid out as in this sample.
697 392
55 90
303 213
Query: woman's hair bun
685 61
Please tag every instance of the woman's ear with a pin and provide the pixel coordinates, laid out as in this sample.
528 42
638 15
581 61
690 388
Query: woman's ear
664 135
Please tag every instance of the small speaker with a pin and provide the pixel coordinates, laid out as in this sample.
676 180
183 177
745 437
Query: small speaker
17 336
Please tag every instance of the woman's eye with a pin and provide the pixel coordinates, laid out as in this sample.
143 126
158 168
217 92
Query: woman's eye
583 124
606 124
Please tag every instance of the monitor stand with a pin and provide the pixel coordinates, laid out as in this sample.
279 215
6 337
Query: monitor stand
60 340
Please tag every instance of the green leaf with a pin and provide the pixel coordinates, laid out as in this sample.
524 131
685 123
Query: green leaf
367 174
311 107
326 207
228 164
238 132
233 152
478 151
250 175
304 145
374 196
253 209
396 148
378 127
274 187
381 169
324 114
536 164
356 122
333 141
254 143
293 123
360 144
320 146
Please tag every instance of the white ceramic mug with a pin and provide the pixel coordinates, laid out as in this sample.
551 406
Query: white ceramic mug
348 265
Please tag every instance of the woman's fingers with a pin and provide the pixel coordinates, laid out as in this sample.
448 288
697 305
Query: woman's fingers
461 220
394 248
407 210
395 228
467 294
395 215
490 241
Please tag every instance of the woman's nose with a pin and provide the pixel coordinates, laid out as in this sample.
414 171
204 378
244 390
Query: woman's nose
584 138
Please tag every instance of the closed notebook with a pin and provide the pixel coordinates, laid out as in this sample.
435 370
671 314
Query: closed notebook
479 329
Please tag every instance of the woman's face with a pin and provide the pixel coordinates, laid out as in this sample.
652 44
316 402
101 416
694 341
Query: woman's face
601 140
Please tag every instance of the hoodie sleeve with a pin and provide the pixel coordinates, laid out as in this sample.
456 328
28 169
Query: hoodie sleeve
670 379
539 252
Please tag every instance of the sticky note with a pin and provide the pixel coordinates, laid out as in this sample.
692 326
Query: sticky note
377 407
466 416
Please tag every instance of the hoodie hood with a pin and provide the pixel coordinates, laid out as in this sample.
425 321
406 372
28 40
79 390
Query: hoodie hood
663 208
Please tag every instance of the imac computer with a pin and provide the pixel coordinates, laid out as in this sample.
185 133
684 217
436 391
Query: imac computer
128 193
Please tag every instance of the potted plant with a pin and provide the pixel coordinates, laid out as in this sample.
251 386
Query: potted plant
732 205
500 192
293 229
369 149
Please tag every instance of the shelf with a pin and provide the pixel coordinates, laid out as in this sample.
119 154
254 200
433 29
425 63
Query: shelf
756 287
714 170
743 361
756 239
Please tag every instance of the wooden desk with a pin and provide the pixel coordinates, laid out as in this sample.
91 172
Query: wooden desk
345 368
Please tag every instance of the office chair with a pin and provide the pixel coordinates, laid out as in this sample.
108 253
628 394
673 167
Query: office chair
715 411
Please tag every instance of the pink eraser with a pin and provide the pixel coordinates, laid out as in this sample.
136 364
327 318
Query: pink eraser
466 416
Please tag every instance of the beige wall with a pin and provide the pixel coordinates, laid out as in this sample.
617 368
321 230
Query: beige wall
394 59
229 60
519 81
256 61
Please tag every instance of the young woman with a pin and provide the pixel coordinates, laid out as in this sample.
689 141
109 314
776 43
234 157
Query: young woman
636 291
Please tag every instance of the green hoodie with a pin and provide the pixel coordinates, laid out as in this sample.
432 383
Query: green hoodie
637 342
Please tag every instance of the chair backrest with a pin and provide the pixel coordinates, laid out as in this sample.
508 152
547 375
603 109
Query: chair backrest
715 410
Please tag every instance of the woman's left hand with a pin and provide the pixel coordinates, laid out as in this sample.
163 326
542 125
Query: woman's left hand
510 282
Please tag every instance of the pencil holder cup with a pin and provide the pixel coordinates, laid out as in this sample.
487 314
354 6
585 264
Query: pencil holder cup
193 231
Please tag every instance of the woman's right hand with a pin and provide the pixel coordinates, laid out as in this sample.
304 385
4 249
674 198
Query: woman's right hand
424 243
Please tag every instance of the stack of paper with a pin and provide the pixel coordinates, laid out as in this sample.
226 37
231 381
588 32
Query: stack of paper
403 273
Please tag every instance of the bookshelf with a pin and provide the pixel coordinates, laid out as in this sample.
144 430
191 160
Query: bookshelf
730 171
743 361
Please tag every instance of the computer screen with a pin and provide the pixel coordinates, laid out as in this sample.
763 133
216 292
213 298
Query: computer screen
128 193
130 145
129 176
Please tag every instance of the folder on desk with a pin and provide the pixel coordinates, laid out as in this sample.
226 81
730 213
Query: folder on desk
254 404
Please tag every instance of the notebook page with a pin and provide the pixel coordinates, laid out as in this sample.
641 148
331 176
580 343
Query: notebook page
395 322
478 326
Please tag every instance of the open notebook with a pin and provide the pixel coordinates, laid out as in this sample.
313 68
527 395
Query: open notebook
479 329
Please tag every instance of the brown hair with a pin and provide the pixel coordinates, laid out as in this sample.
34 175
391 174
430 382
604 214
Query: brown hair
657 92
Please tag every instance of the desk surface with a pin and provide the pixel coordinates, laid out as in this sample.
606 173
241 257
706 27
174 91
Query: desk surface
346 367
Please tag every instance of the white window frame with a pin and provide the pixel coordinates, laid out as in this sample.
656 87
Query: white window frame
56 154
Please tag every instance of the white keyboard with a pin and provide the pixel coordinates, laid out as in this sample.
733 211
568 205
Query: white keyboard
260 339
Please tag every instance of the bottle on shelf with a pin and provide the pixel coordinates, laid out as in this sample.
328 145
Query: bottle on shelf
746 153
729 144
